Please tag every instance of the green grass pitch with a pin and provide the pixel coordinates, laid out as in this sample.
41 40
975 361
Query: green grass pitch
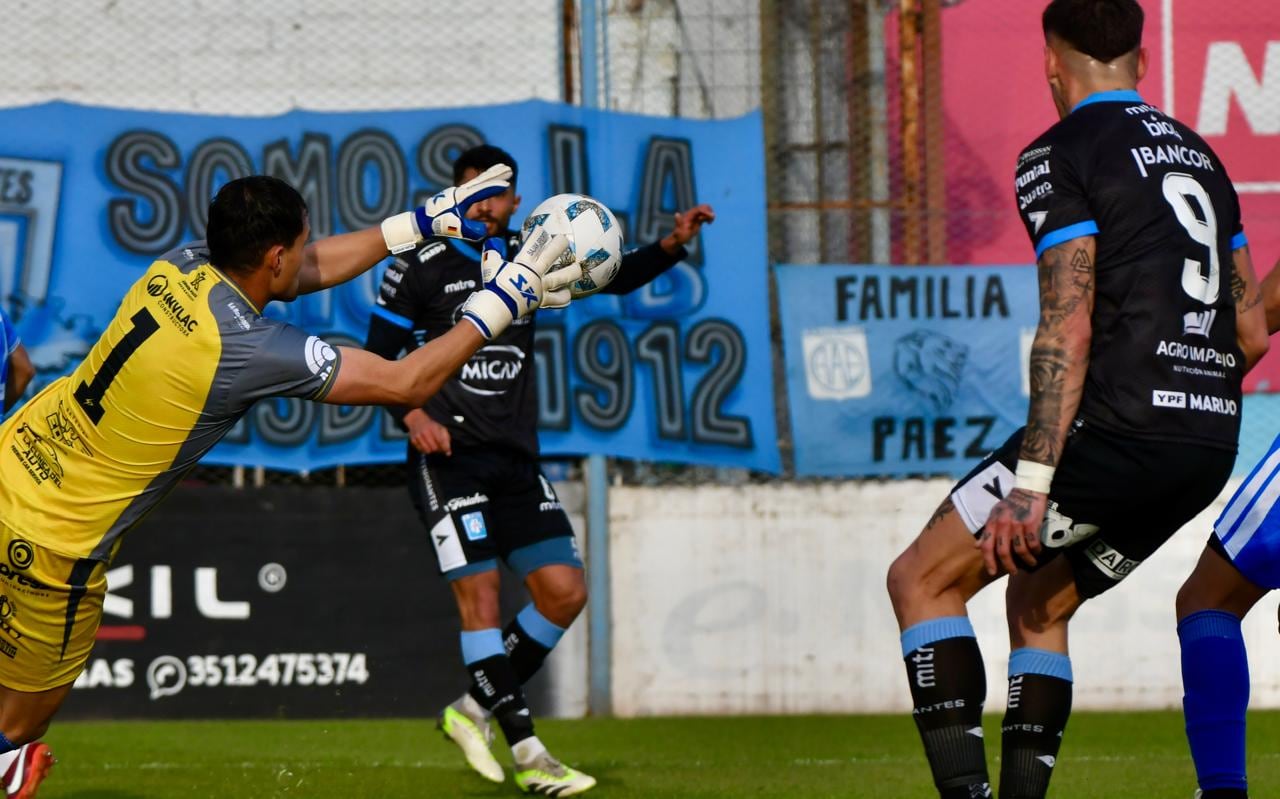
1110 755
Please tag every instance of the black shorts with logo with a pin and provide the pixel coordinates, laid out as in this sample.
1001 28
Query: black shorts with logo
480 505
1114 499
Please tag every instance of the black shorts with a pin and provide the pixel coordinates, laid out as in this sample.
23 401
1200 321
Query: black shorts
1113 502
481 505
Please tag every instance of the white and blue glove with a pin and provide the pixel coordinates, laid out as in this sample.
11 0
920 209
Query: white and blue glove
445 214
515 289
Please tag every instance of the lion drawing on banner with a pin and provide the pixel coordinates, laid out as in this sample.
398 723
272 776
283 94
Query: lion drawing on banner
931 364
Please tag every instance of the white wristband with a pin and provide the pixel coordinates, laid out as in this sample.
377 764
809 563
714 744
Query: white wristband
400 232
1033 476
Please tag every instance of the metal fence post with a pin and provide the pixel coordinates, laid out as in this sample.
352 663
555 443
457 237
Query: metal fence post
600 646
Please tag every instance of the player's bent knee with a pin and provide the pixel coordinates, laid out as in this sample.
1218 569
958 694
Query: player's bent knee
903 580
563 605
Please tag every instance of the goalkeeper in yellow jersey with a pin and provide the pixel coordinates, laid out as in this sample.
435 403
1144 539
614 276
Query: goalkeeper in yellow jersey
186 355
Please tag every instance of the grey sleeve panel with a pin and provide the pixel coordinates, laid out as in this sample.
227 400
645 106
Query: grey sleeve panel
274 359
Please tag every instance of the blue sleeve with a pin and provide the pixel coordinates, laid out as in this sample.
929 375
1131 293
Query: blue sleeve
8 336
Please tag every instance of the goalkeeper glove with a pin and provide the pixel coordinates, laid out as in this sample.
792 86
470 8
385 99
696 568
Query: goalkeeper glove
445 214
514 289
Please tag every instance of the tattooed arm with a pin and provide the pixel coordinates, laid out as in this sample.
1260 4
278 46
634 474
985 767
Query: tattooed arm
1059 359
1271 298
1252 321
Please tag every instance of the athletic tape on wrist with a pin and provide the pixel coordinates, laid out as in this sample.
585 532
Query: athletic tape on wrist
1033 476
400 232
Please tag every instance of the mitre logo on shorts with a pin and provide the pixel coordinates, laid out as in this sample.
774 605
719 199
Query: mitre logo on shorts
320 357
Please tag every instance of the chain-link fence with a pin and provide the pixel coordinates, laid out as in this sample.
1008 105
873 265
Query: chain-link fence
891 126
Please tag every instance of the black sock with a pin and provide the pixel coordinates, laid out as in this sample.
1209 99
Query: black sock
1039 705
524 651
948 688
528 639
495 687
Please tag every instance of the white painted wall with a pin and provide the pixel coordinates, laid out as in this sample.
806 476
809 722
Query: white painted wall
771 599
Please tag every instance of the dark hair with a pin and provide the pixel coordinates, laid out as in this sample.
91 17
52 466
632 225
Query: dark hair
250 216
1101 29
480 158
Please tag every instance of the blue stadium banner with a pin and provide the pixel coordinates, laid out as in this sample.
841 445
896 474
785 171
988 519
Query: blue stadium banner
678 371
904 370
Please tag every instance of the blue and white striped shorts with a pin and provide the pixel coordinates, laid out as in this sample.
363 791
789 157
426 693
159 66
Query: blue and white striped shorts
1249 527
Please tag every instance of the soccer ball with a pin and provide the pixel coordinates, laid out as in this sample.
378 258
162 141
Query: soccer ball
595 240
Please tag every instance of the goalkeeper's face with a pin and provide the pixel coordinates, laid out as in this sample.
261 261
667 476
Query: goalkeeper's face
288 267
495 212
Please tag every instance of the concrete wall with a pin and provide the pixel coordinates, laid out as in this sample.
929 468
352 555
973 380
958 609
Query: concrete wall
771 599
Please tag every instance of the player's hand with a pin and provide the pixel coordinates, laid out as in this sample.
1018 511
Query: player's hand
1013 528
445 213
514 289
426 434
688 225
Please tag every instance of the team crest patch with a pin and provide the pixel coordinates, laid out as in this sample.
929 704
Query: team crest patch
473 523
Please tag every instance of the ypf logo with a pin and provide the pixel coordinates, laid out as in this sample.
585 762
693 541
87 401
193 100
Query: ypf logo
21 554
836 363
157 285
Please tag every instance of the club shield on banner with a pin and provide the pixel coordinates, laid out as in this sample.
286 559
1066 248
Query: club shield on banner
895 371
676 371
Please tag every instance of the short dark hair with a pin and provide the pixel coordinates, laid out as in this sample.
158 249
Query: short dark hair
1101 29
480 158
251 215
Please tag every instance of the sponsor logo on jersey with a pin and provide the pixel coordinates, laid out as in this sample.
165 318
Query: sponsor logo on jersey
170 306
492 370
1037 219
1157 127
1189 352
320 357
244 323
1168 399
191 286
1038 193
64 430
431 250
1210 404
37 456
1034 155
1170 155
1038 171
21 555
459 285
1198 323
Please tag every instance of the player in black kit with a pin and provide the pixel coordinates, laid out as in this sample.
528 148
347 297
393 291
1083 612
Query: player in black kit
1148 321
475 480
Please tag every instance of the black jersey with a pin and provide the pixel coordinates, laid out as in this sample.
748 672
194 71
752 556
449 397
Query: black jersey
1164 363
493 400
